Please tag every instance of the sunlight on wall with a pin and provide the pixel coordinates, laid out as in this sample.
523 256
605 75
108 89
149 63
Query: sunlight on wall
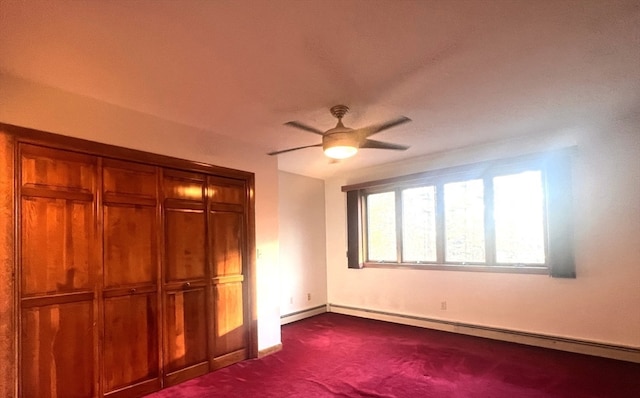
268 286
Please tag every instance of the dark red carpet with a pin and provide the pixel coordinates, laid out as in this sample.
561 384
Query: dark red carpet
334 355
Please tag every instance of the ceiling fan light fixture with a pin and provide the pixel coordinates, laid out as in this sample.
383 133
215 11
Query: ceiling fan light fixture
339 143
340 151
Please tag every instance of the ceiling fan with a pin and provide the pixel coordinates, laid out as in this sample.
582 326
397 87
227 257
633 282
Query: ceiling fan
342 142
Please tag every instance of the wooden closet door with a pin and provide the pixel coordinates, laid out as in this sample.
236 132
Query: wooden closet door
131 296
227 236
185 276
59 270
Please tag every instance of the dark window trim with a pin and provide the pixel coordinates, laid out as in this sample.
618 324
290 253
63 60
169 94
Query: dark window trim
510 269
353 230
556 166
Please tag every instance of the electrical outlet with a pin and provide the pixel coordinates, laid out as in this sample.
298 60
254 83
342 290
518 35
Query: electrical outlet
291 300
443 305
308 296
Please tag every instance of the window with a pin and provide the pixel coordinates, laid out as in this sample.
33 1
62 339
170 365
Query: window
510 215
464 221
381 231
419 224
518 214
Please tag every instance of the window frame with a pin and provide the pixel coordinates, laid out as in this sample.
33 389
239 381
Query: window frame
557 229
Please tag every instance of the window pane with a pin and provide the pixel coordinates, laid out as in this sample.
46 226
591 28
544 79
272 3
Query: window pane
381 227
519 218
419 224
464 221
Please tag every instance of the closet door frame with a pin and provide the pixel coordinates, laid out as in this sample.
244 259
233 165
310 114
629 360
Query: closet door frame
20 135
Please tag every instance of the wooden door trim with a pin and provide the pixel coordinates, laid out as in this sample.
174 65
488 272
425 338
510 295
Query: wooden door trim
99 304
65 298
107 151
216 280
160 251
251 306
190 372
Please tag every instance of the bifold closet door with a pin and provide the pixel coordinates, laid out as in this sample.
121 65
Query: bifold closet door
59 268
227 236
185 276
131 296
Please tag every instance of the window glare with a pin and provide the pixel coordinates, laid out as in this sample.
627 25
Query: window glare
381 227
464 221
519 218
419 224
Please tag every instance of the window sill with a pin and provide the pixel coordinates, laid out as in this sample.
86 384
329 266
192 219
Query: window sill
505 269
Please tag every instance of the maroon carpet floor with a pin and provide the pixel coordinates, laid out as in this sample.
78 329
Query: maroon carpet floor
334 355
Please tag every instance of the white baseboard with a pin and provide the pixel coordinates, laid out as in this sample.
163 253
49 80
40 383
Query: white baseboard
299 315
624 353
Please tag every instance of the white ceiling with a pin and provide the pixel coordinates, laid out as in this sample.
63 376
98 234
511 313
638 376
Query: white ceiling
466 72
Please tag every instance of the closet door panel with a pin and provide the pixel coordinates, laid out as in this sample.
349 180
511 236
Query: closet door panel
185 244
129 245
186 332
230 325
59 272
186 291
131 344
131 349
230 331
181 186
226 190
55 170
129 180
227 242
57 237
58 351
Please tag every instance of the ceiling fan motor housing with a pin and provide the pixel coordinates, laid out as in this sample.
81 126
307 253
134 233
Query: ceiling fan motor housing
340 137
340 142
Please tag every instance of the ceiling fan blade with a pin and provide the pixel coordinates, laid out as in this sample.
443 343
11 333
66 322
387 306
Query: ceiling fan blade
376 128
304 127
291 149
382 145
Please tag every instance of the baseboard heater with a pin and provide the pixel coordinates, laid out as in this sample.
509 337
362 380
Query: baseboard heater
625 353
302 314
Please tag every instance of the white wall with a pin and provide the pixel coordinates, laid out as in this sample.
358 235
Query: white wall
44 108
602 304
302 243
